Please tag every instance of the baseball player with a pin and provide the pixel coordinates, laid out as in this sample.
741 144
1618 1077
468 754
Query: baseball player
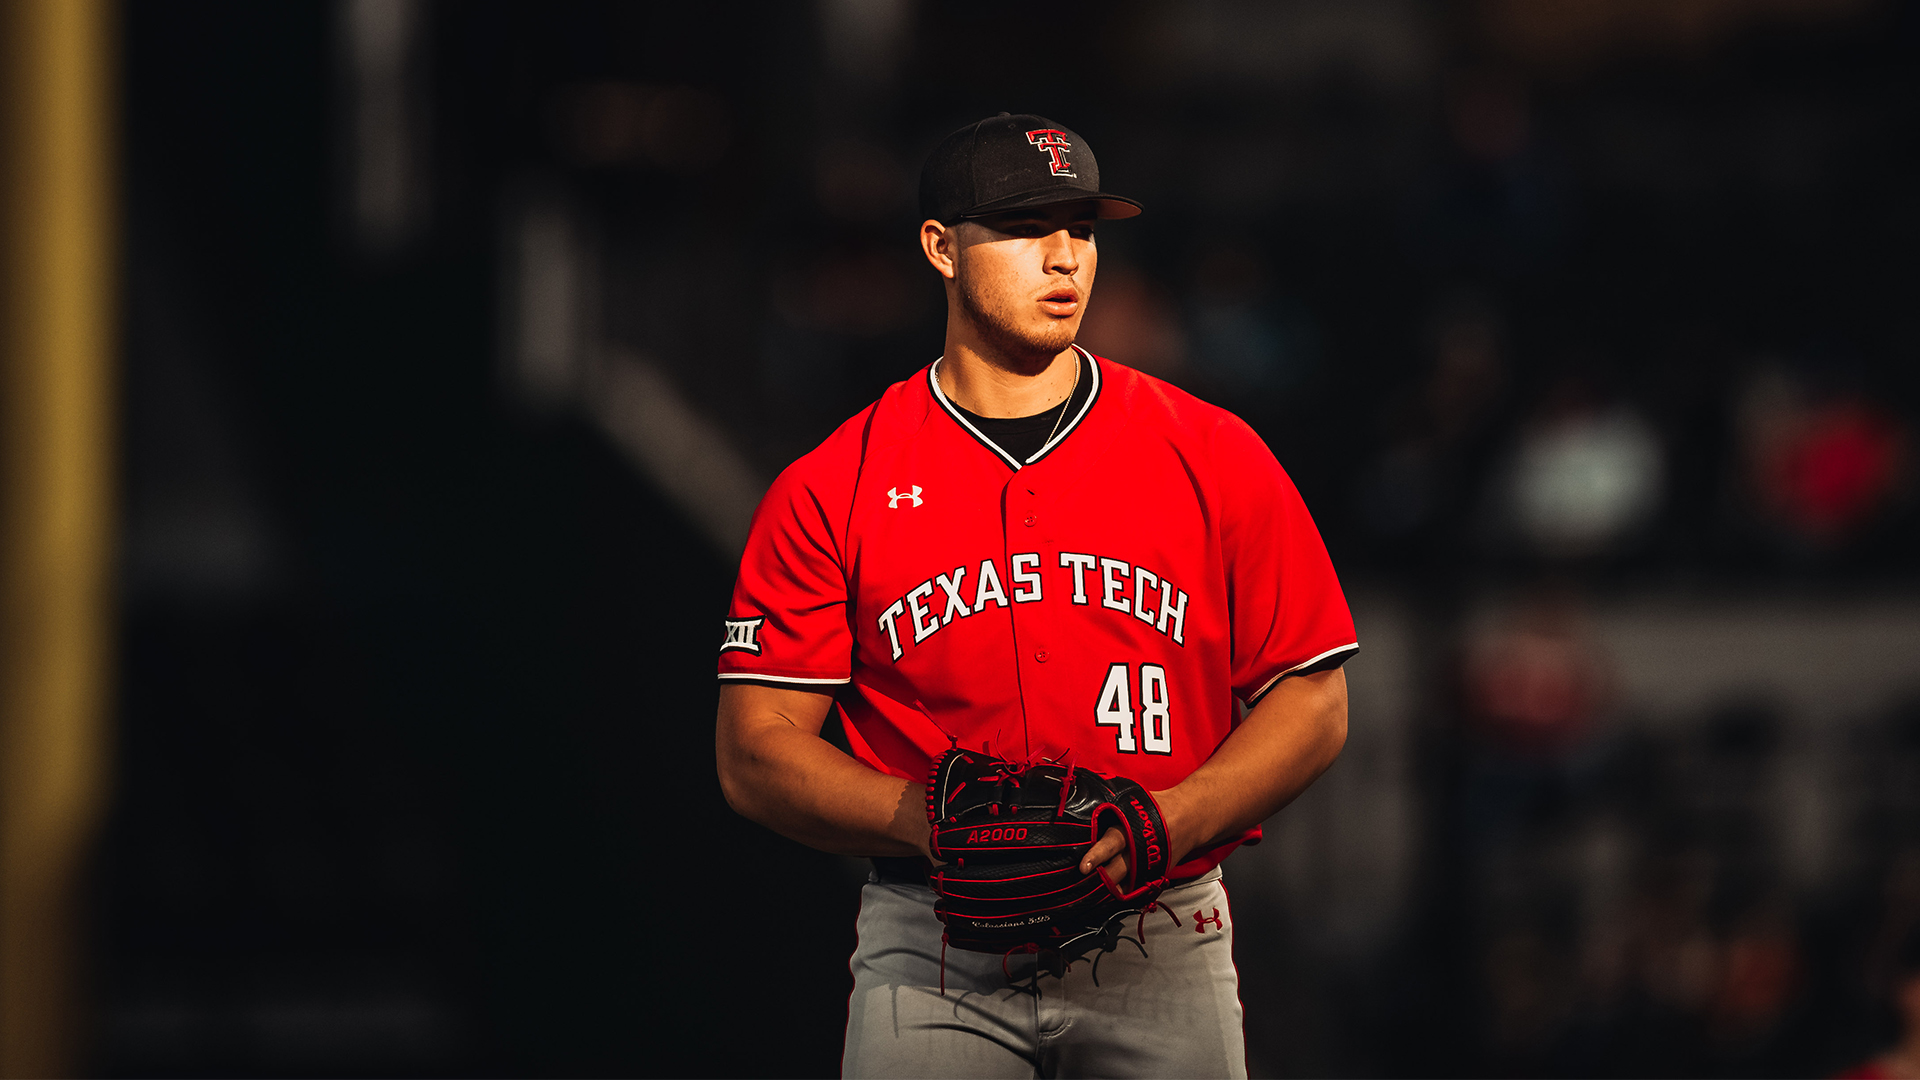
1036 553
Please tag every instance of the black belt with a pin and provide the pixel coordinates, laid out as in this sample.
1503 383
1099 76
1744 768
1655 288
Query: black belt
913 870
902 869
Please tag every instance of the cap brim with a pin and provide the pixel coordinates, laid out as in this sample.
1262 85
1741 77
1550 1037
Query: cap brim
1111 207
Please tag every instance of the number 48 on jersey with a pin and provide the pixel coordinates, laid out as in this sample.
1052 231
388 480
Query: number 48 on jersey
1154 718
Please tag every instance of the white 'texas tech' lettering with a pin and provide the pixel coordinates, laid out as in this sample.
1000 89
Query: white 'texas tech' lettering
951 586
988 587
897 609
921 614
1080 564
1143 579
916 606
1026 577
1177 611
1110 584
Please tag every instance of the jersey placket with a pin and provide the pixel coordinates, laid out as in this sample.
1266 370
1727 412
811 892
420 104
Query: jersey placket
1032 629
1032 502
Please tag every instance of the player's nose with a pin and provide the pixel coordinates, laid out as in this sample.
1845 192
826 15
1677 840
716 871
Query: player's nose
1063 256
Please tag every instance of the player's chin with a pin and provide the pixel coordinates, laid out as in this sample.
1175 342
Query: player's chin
1053 335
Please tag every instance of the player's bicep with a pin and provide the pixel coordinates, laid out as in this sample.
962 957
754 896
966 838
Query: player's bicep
1304 709
754 736
755 718
747 707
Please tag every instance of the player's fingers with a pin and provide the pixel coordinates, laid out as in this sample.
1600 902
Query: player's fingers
1110 844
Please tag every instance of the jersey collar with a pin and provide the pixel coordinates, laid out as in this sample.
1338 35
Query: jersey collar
1093 394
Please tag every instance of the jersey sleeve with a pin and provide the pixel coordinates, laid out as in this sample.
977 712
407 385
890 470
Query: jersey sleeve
787 620
1290 616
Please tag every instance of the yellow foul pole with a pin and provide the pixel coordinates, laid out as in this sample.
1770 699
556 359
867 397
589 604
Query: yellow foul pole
58 319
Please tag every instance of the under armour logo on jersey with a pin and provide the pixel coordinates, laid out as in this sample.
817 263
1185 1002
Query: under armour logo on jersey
1054 144
1200 922
894 495
743 634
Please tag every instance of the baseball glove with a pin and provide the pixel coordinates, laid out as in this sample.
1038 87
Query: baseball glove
1011 837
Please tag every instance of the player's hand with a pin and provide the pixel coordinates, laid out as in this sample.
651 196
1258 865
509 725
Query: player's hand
1110 852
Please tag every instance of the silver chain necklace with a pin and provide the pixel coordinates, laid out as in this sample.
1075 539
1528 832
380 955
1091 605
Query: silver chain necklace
1063 405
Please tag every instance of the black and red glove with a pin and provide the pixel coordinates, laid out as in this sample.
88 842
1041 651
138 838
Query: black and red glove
1011 837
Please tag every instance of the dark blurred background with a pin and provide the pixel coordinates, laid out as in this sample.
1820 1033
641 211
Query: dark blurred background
460 339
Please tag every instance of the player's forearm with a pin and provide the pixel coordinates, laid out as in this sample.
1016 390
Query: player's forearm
794 782
1281 747
804 788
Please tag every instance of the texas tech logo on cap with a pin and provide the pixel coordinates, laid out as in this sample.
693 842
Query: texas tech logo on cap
1054 144
1010 162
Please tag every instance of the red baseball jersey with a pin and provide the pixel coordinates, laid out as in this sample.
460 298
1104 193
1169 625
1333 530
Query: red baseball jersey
1116 598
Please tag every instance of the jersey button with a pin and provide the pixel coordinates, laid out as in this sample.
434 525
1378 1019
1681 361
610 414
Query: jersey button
1030 520
1041 656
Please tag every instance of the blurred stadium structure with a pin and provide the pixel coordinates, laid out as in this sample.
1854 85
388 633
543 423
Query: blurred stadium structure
460 339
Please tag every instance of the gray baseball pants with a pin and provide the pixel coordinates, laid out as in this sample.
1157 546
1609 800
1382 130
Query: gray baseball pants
1172 1013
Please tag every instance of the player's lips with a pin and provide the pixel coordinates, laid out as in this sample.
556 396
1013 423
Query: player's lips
1061 302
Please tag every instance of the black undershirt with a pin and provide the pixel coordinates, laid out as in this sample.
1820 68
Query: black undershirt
1023 436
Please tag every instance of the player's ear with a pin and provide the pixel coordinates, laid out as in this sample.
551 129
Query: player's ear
938 242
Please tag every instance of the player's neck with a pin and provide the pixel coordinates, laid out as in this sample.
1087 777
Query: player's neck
973 380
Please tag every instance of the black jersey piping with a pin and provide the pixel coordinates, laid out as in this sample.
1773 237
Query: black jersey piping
1093 395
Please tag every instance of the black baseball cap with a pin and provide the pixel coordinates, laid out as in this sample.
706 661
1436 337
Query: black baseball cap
1012 162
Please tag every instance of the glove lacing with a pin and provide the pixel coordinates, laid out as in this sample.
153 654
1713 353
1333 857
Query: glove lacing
1108 938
